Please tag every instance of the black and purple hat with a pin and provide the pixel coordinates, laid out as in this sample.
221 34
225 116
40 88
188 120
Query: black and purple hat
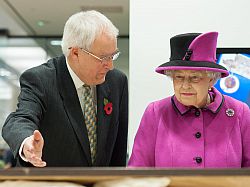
193 51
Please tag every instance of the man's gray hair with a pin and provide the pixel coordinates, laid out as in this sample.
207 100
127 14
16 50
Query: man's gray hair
83 28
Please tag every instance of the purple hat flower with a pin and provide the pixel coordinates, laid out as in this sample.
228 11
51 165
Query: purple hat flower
193 51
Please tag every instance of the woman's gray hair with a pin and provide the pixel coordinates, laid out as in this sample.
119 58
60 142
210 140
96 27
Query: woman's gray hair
215 75
82 28
211 74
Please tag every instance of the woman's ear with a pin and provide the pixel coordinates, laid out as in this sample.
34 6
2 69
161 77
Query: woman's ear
211 82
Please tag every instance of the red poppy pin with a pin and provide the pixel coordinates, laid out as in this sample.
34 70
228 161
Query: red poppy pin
108 106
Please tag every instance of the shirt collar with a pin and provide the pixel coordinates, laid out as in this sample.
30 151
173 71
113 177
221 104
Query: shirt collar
77 82
215 106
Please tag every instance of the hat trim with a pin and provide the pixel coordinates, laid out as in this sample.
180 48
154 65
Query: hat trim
169 66
188 63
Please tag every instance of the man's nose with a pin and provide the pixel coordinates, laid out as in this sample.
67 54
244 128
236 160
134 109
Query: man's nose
109 64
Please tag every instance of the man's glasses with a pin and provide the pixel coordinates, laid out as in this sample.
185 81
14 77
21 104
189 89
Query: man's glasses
105 58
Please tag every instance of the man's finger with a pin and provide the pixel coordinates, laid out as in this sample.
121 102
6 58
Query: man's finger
36 161
39 163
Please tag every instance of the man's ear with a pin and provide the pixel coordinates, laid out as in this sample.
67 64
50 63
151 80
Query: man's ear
74 52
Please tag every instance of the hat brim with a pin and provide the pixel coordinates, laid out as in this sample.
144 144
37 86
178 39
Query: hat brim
192 65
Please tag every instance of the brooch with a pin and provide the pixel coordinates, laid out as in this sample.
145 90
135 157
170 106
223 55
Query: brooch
230 112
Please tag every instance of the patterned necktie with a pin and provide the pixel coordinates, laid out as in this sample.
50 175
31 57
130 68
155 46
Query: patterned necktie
90 120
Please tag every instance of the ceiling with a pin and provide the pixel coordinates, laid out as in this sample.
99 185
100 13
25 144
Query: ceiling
25 17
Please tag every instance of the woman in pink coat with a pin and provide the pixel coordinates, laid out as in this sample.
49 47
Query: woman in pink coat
198 127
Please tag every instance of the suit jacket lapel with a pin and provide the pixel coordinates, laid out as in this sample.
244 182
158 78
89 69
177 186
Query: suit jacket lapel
103 122
72 106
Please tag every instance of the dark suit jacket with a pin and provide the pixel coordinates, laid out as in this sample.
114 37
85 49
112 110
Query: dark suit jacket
48 102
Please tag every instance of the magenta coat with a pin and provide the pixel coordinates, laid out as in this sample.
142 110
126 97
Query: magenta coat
173 135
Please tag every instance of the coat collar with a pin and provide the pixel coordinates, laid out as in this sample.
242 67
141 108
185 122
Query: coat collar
214 107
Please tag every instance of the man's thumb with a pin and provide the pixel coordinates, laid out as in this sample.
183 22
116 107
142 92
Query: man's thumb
37 135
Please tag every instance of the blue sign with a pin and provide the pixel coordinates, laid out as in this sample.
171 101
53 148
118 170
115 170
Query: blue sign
237 84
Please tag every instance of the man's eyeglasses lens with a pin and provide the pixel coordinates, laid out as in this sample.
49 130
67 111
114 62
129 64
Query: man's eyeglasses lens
105 58
112 57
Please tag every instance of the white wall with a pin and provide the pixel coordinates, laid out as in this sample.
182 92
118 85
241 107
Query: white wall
122 63
153 22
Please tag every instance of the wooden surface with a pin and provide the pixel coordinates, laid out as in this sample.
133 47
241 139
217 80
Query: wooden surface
209 181
179 178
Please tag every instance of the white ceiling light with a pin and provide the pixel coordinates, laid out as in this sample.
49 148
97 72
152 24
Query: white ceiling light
22 58
55 42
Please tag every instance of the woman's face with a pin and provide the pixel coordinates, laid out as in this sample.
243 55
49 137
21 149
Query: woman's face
191 87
